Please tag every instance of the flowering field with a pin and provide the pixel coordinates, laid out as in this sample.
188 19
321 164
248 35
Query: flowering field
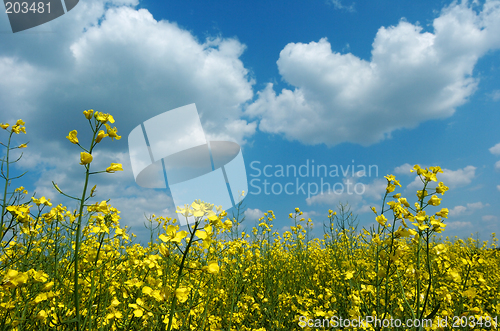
78 269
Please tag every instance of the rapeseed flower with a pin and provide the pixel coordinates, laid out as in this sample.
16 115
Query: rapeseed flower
114 167
72 136
85 158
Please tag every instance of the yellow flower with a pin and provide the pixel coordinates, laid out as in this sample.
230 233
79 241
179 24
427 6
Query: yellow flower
182 294
164 250
22 146
201 234
390 188
434 201
4 126
406 232
88 113
421 227
186 211
179 236
38 276
85 158
441 188
93 190
41 297
41 315
381 220
228 224
443 213
100 135
112 132
404 202
72 137
46 202
17 129
48 286
417 168
147 290
114 167
212 267
104 118
20 122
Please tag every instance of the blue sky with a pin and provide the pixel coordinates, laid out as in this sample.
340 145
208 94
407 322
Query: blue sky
388 84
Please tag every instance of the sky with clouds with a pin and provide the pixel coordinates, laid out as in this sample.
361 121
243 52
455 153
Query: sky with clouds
309 89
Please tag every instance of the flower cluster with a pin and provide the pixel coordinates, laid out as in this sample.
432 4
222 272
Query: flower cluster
80 270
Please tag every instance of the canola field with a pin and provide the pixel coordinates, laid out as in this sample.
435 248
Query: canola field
63 269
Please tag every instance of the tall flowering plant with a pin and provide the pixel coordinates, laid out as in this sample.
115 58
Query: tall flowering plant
97 121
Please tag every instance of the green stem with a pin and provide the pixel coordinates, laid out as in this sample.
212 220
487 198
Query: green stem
179 275
77 248
78 233
4 202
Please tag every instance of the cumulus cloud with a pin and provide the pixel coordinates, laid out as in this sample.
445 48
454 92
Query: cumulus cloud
355 193
495 95
450 178
253 214
114 58
338 5
489 218
458 225
468 210
313 215
495 150
412 76
497 166
457 210
403 169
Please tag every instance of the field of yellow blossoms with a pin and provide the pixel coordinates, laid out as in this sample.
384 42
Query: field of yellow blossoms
64 269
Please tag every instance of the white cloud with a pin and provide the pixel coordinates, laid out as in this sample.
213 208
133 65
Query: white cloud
309 215
338 5
468 210
351 191
403 169
497 166
122 61
450 178
460 177
458 225
253 214
476 205
286 228
490 218
457 210
412 76
161 64
495 150
495 95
